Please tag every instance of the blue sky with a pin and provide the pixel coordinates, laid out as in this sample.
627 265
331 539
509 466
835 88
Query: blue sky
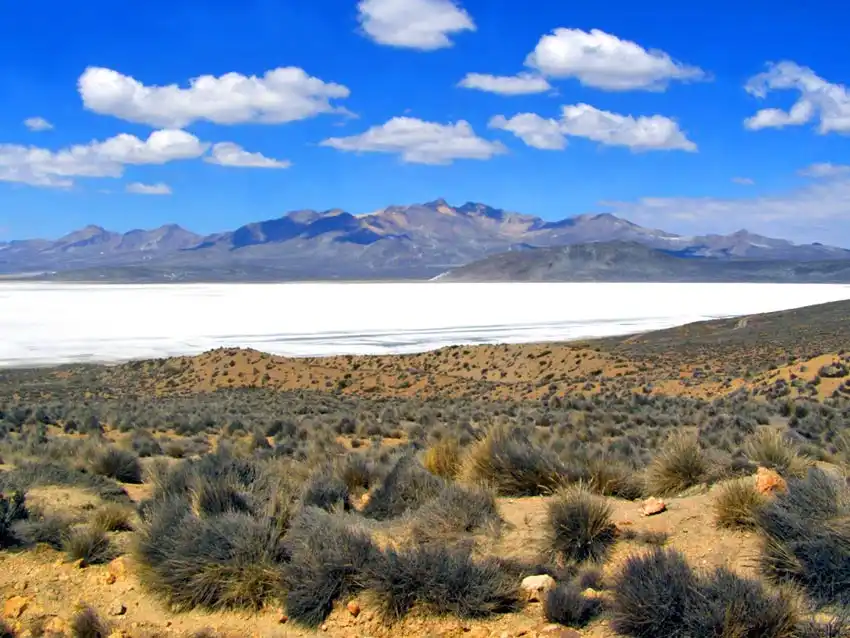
692 117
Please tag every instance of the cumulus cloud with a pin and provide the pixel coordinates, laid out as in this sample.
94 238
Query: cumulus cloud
643 133
42 167
230 154
420 142
37 124
604 61
814 212
281 95
521 84
825 170
819 100
743 181
414 24
138 188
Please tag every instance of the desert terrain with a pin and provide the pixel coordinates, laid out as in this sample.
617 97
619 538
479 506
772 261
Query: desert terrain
688 482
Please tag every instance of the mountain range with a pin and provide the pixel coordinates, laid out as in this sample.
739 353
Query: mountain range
420 241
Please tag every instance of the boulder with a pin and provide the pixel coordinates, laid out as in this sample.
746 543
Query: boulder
653 506
535 587
769 482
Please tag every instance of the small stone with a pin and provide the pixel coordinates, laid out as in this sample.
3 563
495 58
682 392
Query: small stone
353 608
21 586
769 482
282 618
653 506
80 563
591 593
117 609
15 606
119 567
536 586
56 626
110 579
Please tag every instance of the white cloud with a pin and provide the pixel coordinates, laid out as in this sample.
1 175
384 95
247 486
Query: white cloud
521 84
415 24
743 181
420 142
281 95
230 154
828 103
37 124
604 61
818 211
825 170
138 188
42 167
534 130
643 133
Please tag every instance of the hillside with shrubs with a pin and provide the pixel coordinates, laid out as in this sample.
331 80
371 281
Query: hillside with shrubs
688 483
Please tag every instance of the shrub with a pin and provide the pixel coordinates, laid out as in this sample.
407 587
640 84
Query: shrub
579 527
444 580
611 477
768 448
118 464
736 504
443 459
48 529
507 460
455 513
652 594
658 594
89 544
87 624
806 537
329 559
112 518
679 465
326 491
566 605
228 560
406 487
12 509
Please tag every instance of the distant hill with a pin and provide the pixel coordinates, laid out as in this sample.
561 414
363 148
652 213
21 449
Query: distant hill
620 261
419 241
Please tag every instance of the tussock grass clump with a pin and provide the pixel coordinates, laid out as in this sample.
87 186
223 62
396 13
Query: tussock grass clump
454 514
330 557
36 474
658 594
326 491
680 464
566 605
211 534
507 460
806 537
443 580
112 518
737 504
443 459
43 528
86 623
89 544
118 464
13 508
579 527
406 487
768 448
611 477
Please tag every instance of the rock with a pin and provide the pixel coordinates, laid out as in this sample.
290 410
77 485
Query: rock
21 586
653 506
117 609
353 608
110 579
325 627
80 563
769 482
119 567
535 587
56 626
15 606
282 618
591 593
